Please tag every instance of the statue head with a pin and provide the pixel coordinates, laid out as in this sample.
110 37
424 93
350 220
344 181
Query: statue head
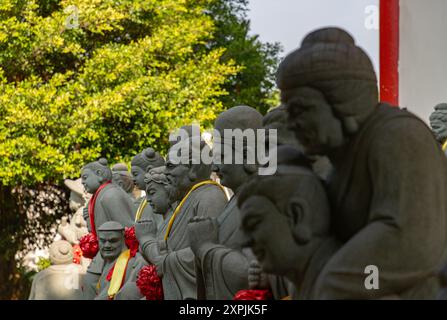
142 163
231 174
76 199
94 174
188 168
61 252
284 214
111 240
277 119
184 132
329 88
156 190
122 177
438 122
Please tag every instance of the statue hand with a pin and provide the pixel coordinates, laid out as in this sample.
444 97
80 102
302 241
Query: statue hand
144 229
201 230
257 279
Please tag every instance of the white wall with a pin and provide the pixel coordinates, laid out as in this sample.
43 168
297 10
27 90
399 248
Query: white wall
423 55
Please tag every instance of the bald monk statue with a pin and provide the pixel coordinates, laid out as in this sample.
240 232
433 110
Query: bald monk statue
438 122
286 220
120 270
61 280
122 177
108 203
222 268
141 164
388 184
170 251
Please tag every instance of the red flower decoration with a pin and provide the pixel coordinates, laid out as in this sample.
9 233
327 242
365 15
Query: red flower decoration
77 254
89 245
253 295
149 283
131 240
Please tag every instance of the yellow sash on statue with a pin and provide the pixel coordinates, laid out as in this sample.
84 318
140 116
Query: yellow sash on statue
118 274
140 210
179 207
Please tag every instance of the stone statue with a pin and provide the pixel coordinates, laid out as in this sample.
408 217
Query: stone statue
74 229
108 203
156 192
222 268
286 220
61 280
118 277
388 201
438 122
277 119
169 249
141 164
122 177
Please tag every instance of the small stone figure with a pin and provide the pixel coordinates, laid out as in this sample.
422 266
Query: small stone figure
61 280
438 122
388 184
286 220
141 164
122 177
118 277
169 250
222 268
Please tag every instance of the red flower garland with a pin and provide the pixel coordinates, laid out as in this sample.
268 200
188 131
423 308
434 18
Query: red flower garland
253 295
149 283
131 241
77 254
89 245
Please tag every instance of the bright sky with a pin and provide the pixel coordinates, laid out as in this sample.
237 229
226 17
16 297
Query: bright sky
288 21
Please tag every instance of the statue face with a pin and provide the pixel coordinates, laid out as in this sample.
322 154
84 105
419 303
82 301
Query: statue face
138 177
231 175
111 244
269 235
314 123
439 126
90 181
158 198
179 181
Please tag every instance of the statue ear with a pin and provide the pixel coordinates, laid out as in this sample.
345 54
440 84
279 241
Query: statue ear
249 168
100 174
297 211
351 125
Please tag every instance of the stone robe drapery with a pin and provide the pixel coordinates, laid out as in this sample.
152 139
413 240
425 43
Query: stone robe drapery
174 258
389 204
223 266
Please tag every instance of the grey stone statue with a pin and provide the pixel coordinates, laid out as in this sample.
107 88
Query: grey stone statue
222 268
286 220
157 193
120 271
438 122
111 204
169 249
122 177
61 280
141 164
388 200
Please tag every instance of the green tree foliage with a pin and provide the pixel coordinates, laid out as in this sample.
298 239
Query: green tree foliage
254 84
109 84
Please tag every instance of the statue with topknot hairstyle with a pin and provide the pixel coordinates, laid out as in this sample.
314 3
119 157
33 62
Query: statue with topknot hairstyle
122 177
108 203
140 166
388 182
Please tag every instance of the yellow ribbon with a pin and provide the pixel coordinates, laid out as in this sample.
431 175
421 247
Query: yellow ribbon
118 274
140 210
180 205
444 146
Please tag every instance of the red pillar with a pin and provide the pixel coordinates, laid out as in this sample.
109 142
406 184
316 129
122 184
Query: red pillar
389 51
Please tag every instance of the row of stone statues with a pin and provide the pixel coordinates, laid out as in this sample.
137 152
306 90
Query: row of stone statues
360 185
